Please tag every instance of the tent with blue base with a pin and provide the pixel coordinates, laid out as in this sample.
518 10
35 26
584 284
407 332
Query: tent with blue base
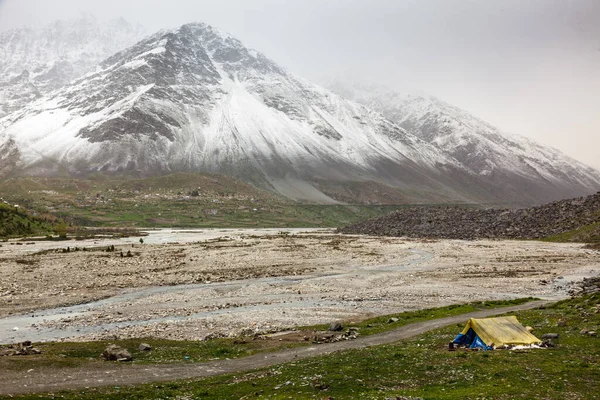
489 333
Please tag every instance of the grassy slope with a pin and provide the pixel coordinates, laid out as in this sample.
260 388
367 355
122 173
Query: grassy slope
179 200
17 222
421 367
585 234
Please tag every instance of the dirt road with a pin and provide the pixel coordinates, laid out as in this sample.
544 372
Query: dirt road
47 380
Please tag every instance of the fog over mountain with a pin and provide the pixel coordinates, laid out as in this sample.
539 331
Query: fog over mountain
530 68
196 99
38 61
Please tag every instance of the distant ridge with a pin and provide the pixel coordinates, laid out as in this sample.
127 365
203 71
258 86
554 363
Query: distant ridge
523 169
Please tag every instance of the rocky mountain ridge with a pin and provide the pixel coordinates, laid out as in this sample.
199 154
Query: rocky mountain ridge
196 99
524 168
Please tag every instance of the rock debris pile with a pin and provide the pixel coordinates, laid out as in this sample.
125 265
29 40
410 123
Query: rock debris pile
470 224
587 286
20 349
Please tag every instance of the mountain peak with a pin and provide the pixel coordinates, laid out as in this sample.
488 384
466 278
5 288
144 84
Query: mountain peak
196 99
52 56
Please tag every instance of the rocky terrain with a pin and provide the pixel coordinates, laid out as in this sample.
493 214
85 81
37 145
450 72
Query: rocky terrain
466 223
193 286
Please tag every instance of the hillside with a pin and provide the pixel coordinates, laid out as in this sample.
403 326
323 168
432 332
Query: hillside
195 99
17 222
177 200
568 220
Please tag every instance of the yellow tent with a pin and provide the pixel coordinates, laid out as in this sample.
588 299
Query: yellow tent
488 333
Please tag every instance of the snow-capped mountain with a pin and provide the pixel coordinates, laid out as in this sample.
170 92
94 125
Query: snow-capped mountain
514 163
196 99
34 62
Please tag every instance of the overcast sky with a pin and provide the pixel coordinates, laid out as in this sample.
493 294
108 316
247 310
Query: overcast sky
530 67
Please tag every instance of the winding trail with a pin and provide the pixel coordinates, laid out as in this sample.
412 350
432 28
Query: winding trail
109 374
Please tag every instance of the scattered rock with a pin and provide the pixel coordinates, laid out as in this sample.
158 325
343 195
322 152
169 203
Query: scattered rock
561 322
587 286
21 349
116 353
591 333
392 320
335 327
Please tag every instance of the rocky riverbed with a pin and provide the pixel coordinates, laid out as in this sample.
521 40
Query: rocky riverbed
252 281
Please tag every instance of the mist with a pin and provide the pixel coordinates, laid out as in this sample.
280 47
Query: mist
530 68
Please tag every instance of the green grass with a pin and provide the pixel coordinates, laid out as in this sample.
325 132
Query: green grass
17 222
80 354
421 367
585 234
381 324
77 354
179 200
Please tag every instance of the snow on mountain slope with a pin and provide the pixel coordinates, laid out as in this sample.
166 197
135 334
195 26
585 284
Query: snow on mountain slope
34 62
195 99
518 165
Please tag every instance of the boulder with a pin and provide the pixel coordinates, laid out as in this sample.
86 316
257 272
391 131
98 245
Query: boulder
144 347
335 327
116 353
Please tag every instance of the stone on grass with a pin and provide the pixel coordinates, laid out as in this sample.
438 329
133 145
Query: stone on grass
550 336
116 353
144 347
335 327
